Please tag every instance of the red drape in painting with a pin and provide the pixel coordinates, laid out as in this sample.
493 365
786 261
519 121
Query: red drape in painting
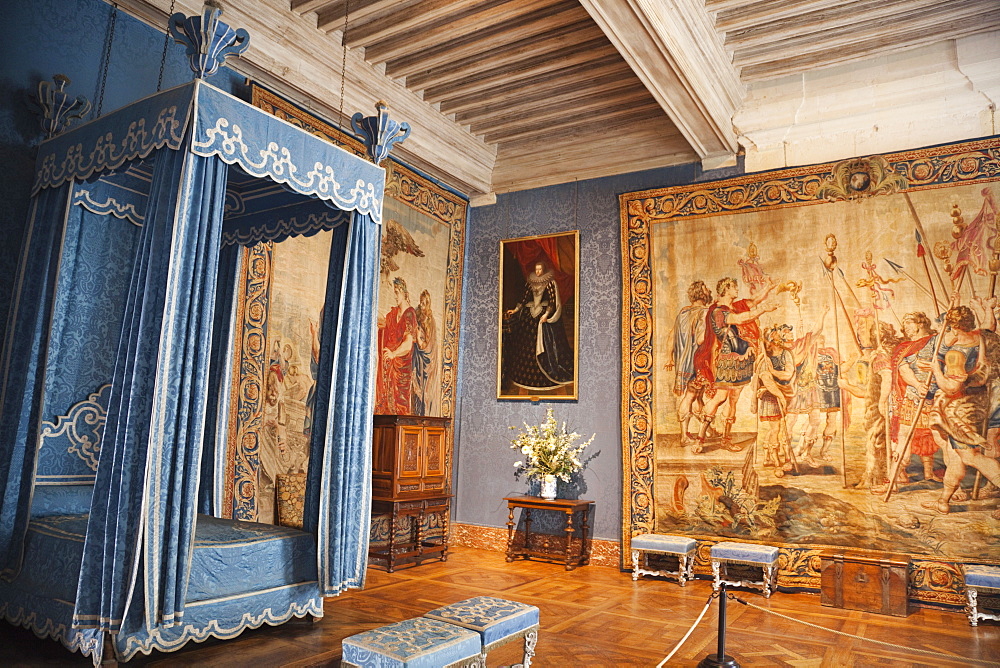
530 251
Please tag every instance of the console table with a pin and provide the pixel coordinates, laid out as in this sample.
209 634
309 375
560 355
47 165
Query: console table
543 546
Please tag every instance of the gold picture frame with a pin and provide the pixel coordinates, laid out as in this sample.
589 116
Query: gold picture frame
538 318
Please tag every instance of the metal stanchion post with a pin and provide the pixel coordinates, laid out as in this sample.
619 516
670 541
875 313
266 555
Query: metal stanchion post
720 659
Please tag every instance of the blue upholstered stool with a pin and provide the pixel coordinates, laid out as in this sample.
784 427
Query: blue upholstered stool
984 579
414 643
497 621
748 554
677 546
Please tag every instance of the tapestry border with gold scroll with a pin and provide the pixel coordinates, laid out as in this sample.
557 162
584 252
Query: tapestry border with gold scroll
977 161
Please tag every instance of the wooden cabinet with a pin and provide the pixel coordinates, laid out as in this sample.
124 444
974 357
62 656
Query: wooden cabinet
873 582
410 458
411 484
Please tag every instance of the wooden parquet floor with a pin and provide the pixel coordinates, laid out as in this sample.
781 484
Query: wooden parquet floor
591 616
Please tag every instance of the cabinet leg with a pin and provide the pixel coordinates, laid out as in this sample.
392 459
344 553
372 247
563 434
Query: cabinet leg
585 527
390 558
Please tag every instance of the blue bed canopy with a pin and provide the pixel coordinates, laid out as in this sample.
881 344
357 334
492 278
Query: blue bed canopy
115 391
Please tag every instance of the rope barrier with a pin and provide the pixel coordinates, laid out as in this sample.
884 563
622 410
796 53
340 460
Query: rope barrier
689 632
953 657
708 603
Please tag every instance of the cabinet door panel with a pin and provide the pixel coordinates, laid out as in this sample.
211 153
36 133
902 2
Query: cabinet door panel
409 459
434 451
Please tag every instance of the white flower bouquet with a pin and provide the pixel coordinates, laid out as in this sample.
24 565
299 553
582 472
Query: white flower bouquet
548 449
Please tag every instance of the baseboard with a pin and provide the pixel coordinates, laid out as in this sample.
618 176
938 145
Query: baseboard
602 552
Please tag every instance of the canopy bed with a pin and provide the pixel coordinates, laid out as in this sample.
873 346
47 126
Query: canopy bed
117 378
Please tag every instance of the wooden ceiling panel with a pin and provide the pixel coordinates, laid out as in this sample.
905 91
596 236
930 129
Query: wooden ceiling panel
525 76
623 115
330 13
862 40
549 44
501 16
565 96
483 42
533 73
569 84
409 16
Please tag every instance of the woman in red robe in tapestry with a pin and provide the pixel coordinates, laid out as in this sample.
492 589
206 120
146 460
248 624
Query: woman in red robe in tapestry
397 333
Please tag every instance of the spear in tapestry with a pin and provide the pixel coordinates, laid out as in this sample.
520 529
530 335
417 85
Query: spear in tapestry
830 263
899 269
921 235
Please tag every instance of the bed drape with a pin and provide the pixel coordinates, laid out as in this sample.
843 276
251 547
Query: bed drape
23 366
162 413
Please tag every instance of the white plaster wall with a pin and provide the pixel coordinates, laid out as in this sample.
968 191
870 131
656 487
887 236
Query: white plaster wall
931 95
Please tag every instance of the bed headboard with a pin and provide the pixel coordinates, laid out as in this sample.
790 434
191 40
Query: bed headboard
68 451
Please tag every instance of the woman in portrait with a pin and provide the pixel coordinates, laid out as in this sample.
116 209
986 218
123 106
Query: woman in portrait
536 352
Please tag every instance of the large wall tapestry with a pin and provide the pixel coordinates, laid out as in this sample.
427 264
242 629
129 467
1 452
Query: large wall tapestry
420 288
811 359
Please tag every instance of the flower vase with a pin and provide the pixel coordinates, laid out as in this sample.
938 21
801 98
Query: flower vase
548 487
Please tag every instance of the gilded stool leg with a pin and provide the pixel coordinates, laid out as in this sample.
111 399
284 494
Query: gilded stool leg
682 567
635 565
973 607
768 579
715 575
530 639
690 565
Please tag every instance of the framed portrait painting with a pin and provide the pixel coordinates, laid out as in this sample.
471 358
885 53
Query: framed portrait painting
538 320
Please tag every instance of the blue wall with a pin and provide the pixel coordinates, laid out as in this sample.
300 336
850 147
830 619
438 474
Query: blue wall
47 37
484 459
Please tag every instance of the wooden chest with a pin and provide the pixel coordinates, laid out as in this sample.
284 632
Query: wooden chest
873 582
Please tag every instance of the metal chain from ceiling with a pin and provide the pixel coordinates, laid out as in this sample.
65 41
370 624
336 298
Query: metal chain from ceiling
166 43
106 59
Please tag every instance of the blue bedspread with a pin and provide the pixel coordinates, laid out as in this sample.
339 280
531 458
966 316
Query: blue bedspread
243 574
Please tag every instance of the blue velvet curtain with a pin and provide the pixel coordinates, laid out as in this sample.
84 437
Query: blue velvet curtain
23 366
338 499
143 514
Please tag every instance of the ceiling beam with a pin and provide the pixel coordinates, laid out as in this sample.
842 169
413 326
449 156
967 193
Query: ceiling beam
306 6
613 84
497 16
923 28
588 53
596 130
609 116
548 44
330 15
557 17
564 113
565 82
863 49
844 24
407 16
675 51
750 14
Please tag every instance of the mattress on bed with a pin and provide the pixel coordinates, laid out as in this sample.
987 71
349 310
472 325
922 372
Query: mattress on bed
230 557
234 557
